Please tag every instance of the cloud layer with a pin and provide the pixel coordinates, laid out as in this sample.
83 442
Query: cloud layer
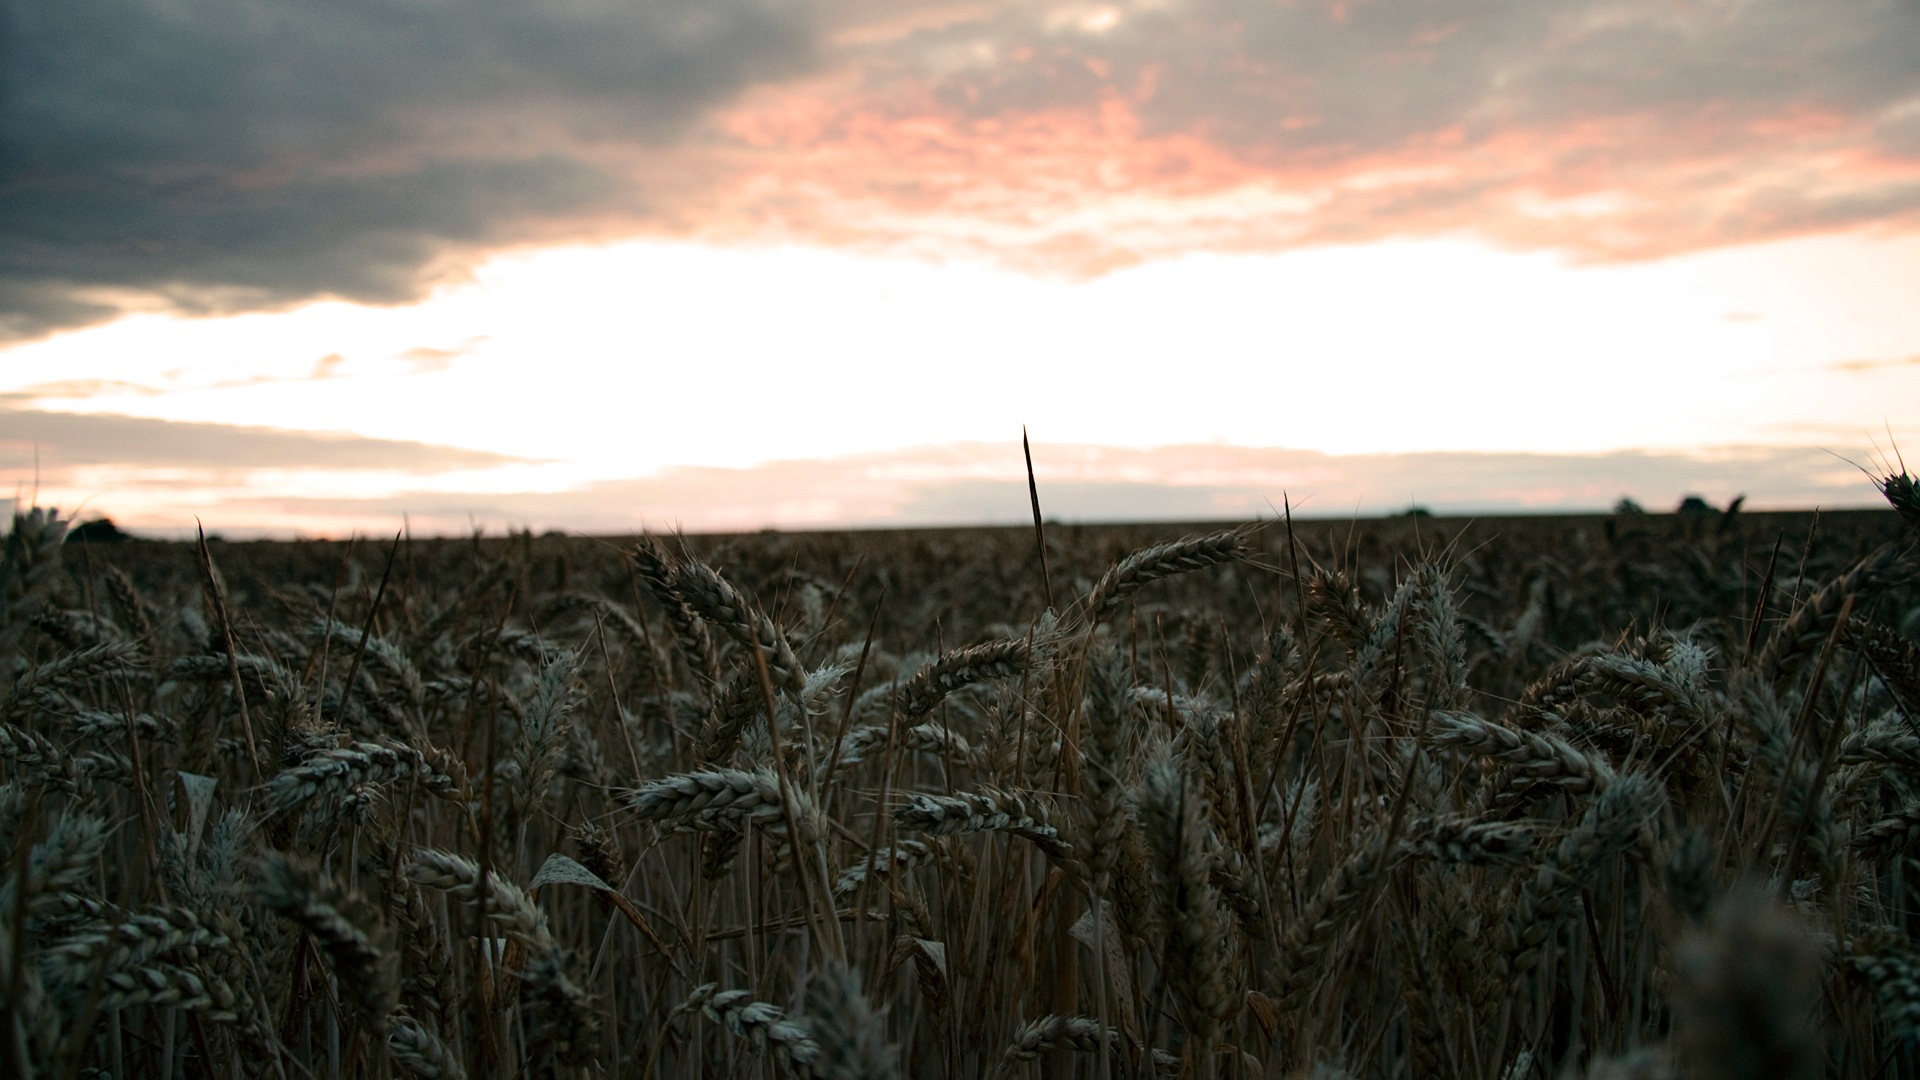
235 154
65 441
240 154
959 484
1108 132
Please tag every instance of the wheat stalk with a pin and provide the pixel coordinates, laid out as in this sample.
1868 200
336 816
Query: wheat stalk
1151 564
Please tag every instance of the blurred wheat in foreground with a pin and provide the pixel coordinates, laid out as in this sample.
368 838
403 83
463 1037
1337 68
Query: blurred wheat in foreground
1626 797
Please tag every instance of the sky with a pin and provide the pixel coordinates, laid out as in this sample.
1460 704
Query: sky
300 268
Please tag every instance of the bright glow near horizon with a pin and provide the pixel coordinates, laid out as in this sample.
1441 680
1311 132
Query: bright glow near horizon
613 361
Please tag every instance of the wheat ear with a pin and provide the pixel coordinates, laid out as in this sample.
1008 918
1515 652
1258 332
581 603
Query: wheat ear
1148 565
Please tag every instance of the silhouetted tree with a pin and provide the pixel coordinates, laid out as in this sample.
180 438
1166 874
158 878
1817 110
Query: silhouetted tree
98 531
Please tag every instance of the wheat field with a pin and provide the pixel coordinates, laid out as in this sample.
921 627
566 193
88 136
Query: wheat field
1628 796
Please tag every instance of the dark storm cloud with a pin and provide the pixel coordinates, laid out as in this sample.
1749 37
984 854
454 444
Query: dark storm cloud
63 440
229 154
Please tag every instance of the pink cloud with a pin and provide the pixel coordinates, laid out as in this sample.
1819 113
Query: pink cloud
1088 187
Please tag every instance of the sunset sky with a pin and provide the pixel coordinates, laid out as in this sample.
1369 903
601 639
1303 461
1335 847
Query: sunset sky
303 267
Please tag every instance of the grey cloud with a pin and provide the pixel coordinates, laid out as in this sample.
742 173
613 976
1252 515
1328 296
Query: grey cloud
74 439
1372 75
231 154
